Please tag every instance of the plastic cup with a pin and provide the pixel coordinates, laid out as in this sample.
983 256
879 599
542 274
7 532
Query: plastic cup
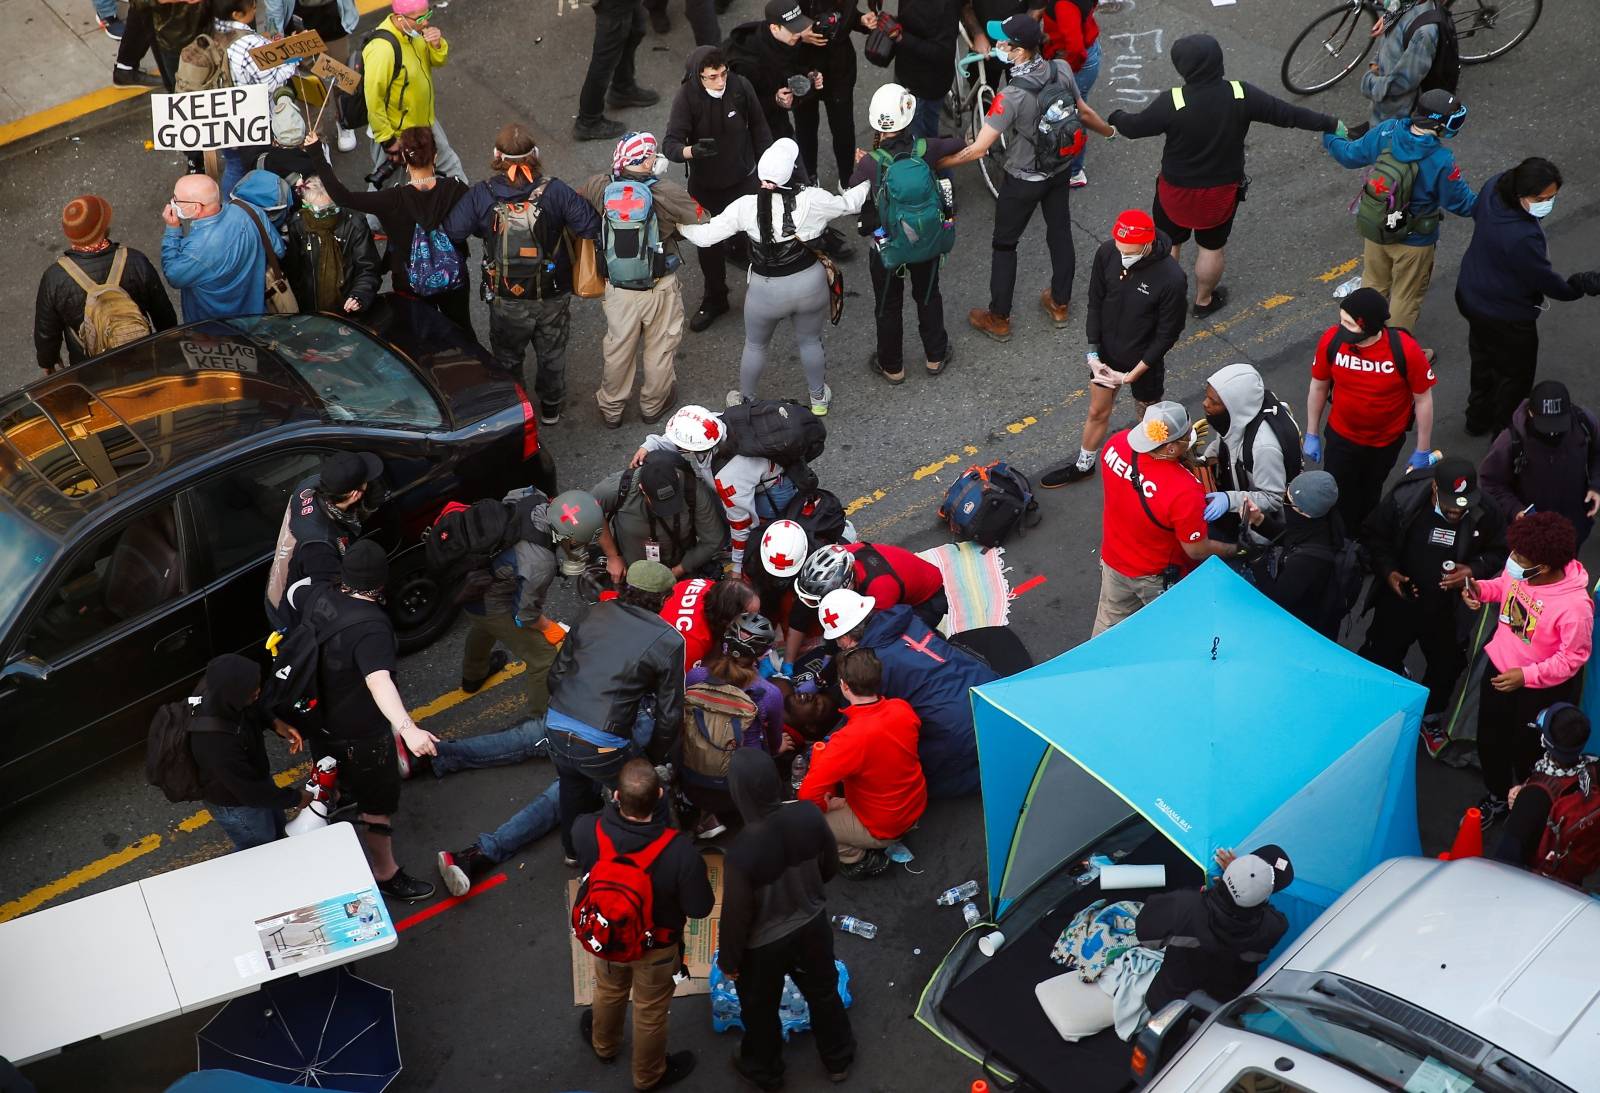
990 943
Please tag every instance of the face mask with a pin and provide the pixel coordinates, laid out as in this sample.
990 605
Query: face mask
1345 336
320 210
1519 573
1220 422
178 211
574 558
1129 260
1000 55
715 92
661 165
1541 209
413 33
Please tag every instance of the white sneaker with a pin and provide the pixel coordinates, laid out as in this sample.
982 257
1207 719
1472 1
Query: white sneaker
1078 180
819 406
347 139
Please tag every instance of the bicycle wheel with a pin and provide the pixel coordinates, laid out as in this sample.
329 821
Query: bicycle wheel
1328 50
990 168
1487 30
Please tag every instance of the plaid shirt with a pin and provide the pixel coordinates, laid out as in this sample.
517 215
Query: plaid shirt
242 67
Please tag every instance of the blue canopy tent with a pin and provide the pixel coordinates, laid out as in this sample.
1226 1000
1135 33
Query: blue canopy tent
1211 716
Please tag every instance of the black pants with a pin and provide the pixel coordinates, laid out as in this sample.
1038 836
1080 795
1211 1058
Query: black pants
841 129
1360 472
712 269
618 30
932 609
1013 209
702 15
888 291
1398 623
807 955
1505 355
1507 747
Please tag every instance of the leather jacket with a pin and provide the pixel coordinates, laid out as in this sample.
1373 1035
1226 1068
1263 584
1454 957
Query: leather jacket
617 656
358 259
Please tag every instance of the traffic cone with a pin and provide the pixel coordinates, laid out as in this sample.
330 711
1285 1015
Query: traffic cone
1469 837
980 1086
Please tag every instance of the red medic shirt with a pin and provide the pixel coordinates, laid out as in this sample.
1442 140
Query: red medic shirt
1131 542
685 610
1371 400
921 578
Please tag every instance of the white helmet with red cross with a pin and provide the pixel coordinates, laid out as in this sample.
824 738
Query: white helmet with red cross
695 429
842 610
783 548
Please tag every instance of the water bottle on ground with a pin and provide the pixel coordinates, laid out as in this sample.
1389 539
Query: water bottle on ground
959 894
970 912
797 771
850 924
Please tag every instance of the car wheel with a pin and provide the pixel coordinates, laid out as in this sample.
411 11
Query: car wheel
418 603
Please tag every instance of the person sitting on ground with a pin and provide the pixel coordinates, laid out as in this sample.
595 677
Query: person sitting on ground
662 511
1567 777
866 776
926 671
1294 555
700 608
1547 461
330 258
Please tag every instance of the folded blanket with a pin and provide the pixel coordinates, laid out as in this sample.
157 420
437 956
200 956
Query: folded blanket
1126 981
1096 936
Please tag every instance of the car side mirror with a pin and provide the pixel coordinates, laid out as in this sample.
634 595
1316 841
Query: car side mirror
25 669
1165 1032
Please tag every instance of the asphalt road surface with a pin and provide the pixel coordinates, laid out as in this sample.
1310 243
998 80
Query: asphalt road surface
483 989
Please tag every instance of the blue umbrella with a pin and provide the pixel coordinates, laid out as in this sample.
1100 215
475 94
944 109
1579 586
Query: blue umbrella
333 1030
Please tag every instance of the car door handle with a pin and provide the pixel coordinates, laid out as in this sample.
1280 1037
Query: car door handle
174 641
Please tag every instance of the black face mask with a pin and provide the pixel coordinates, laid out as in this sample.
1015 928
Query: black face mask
1219 422
1548 439
1345 336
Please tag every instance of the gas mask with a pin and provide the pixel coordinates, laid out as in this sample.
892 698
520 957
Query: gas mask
572 556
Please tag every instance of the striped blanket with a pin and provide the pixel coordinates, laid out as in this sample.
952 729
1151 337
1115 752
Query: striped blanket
974 583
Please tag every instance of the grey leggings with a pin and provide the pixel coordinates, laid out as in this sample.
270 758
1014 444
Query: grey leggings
802 297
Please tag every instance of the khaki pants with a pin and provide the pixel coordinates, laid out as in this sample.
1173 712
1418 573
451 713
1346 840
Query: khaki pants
525 644
1402 274
1121 596
649 980
647 323
852 836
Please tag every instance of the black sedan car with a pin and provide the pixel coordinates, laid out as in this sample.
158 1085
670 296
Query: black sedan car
141 494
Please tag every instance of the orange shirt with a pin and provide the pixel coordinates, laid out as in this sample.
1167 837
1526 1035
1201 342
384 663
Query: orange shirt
874 754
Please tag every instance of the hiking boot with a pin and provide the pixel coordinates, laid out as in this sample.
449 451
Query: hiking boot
935 367
872 863
1078 180
1492 810
666 407
660 21
497 661
404 886
1057 312
820 403
549 413
601 128
1219 300
895 378
706 315
832 243
621 98
611 423
997 327
586 1030
463 868
837 1076
1065 475
680 1064
133 77
768 1085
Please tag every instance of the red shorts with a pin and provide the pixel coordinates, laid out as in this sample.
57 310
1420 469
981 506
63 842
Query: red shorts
1205 207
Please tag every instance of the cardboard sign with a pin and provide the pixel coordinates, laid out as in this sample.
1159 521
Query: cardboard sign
201 121
348 79
308 43
218 356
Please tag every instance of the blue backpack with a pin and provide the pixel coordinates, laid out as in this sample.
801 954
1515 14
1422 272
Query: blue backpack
987 503
433 266
630 235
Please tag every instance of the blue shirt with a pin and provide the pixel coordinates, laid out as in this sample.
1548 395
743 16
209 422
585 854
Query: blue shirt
554 719
1438 185
219 267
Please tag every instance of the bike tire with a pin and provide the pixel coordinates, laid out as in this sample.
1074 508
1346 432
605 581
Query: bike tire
991 170
1467 29
1349 27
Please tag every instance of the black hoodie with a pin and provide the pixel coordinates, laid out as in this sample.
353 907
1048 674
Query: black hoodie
233 765
1136 314
776 867
681 889
1211 943
1296 572
1205 140
767 63
737 122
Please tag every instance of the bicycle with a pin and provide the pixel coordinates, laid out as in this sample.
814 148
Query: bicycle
968 102
1339 39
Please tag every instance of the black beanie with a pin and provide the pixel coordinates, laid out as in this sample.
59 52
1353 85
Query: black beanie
365 568
1565 730
1367 307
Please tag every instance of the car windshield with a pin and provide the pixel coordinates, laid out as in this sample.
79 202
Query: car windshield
1356 1043
355 377
25 553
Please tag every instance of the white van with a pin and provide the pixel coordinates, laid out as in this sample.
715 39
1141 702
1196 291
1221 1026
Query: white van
1425 977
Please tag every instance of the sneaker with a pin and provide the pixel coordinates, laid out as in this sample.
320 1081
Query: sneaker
601 128
1434 737
660 21
820 404
347 139
935 367
733 398
666 407
497 662
462 869
404 886
586 1030
832 243
1219 300
549 413
1057 312
1065 475
1078 180
872 863
742 1068
569 861
894 378
709 827
680 1064
409 764
706 315
133 77
1491 810
113 28
838 1076
997 327
621 98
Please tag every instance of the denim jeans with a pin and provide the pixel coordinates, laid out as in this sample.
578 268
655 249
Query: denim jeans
532 821
248 825
1086 77
583 770
495 749
771 501
106 10
925 122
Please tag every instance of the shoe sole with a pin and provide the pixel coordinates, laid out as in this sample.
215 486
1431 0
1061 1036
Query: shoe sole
456 881
418 898
991 335
1068 482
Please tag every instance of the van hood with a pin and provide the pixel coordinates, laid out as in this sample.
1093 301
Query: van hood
1242 391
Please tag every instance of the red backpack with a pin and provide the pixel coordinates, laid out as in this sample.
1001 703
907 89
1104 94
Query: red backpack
1569 850
614 910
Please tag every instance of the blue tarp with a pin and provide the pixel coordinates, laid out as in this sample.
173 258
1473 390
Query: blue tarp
1220 719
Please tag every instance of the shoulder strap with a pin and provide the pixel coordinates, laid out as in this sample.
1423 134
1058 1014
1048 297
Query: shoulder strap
1435 17
119 262
1144 502
920 148
788 214
75 271
261 230
1398 351
644 859
623 484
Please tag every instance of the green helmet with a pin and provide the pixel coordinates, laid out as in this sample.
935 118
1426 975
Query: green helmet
575 516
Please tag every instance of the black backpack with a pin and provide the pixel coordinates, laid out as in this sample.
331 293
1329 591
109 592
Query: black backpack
291 680
464 541
353 106
1445 71
168 763
785 432
820 513
1276 416
987 503
875 565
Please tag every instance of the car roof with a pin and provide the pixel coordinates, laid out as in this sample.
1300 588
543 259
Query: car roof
1505 954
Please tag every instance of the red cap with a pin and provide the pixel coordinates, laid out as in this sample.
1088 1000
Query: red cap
1134 226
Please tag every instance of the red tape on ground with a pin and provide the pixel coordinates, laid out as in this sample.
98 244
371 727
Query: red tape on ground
445 904
1028 585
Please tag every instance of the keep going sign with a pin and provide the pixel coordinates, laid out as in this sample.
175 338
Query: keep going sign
200 121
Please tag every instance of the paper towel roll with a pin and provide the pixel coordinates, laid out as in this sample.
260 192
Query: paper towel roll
1132 876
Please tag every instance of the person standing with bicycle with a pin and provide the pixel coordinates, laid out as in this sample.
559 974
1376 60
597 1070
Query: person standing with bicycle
1409 33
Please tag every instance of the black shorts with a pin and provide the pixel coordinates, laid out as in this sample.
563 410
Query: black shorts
1210 238
369 771
1147 388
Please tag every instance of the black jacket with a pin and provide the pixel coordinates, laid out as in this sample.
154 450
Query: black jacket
680 888
233 765
617 656
1296 570
776 866
1136 314
1480 537
767 63
1211 943
737 121
401 210
1506 272
58 310
1205 140
1552 477
358 259
925 58
836 60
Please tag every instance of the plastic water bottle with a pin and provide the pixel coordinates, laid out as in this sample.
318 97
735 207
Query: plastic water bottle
1057 111
970 912
797 772
1345 288
850 924
959 894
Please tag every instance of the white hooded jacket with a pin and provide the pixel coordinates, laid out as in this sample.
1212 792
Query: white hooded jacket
1242 391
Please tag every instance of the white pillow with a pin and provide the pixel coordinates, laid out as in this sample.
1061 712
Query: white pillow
1076 1009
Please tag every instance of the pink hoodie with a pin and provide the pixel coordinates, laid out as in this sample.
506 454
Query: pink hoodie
1546 630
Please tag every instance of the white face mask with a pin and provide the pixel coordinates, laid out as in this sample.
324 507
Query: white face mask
715 92
1541 209
1517 573
660 166
1128 260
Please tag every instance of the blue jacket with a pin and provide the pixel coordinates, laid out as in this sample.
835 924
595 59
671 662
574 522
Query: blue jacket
219 267
1439 183
934 677
1506 272
560 207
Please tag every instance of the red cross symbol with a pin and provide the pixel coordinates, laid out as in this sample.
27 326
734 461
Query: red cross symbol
569 513
830 618
629 203
995 107
726 493
922 646
1379 186
782 561
710 426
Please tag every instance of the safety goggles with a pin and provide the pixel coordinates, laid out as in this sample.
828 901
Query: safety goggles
1450 124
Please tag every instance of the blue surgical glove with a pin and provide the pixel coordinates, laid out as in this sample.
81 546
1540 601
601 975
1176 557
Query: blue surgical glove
517 621
1216 505
1420 460
788 669
1312 448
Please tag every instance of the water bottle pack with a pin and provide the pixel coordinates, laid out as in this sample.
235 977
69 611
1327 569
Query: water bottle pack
793 1012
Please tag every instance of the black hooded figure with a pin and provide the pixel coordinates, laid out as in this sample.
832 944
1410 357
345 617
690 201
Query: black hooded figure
774 922
235 779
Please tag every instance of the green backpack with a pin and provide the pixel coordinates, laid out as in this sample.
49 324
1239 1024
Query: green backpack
910 210
1383 208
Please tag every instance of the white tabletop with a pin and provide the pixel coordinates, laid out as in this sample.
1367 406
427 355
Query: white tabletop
92 967
205 915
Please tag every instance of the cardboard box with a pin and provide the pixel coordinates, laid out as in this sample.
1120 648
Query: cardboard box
699 942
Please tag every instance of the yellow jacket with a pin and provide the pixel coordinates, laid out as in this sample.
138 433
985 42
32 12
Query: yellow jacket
399 100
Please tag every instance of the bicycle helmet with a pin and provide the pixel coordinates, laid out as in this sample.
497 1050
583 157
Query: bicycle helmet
1441 112
575 516
695 429
751 635
828 568
783 548
892 108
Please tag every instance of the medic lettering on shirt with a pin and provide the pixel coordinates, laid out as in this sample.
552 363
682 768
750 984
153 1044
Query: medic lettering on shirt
684 623
1124 470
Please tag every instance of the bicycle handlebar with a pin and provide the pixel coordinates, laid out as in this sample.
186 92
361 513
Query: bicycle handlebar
971 59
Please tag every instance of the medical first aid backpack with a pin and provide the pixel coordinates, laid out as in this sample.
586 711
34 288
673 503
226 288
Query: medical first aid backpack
630 235
987 503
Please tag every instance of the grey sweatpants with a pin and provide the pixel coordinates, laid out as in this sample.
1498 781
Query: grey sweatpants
801 297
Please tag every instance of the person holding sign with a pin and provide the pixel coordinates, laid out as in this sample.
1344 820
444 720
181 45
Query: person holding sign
235 22
213 255
398 62
335 21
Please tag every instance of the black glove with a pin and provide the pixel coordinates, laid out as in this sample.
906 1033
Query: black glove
1587 282
705 148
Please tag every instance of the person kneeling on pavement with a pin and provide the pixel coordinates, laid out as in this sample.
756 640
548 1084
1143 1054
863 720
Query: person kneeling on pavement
775 923
866 777
1295 557
886 574
661 511
1554 824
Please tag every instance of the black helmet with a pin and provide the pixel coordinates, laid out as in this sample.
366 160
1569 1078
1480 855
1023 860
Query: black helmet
1439 111
749 635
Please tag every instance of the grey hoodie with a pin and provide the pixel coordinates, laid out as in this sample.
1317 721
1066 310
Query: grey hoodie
1393 87
523 572
1241 390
